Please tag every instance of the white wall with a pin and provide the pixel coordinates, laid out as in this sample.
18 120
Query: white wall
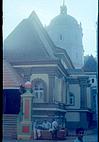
72 116
72 46
75 89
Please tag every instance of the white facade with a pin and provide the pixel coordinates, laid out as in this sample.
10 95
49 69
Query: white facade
75 90
72 116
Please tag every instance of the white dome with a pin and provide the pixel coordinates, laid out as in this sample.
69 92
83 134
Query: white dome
66 33
63 19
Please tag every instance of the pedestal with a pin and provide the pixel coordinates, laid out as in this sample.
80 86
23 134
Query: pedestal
25 124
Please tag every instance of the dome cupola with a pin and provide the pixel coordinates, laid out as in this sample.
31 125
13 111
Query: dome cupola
66 33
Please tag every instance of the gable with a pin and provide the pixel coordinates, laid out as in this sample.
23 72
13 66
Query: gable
26 43
30 42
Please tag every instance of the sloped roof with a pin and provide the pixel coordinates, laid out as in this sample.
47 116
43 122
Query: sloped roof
25 43
90 64
10 76
31 42
63 51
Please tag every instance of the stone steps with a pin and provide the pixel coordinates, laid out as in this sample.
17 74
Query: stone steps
9 126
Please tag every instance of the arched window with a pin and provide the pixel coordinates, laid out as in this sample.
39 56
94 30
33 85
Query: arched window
71 99
39 90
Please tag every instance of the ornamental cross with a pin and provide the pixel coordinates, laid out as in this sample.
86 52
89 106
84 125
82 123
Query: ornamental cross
63 2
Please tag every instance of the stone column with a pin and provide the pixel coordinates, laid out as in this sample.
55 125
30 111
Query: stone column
84 83
83 97
51 87
83 92
67 90
25 123
62 89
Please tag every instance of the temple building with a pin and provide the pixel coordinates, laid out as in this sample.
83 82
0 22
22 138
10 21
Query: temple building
54 66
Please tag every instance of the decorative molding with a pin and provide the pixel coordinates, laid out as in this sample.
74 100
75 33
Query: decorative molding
33 65
72 80
77 110
34 62
11 88
83 80
67 61
49 109
41 63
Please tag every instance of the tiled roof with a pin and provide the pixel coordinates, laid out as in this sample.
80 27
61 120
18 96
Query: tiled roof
10 76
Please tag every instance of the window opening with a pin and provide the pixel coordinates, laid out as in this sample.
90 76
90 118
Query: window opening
38 90
61 37
71 99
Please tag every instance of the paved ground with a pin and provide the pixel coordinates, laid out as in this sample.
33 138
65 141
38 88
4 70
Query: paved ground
88 138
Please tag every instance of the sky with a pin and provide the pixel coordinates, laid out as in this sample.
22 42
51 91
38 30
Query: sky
84 11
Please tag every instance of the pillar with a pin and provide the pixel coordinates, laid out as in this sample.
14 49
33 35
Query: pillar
25 123
83 101
83 96
51 87
84 82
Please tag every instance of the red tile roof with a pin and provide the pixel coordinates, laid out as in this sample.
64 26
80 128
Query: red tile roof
10 77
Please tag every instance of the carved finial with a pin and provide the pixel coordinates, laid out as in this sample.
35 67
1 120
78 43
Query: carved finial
28 86
63 8
63 2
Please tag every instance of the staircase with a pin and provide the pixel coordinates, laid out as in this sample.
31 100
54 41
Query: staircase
10 126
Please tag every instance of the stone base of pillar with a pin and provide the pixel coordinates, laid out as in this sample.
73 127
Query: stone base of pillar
25 131
24 137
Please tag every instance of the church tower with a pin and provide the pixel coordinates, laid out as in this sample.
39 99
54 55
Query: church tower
66 33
